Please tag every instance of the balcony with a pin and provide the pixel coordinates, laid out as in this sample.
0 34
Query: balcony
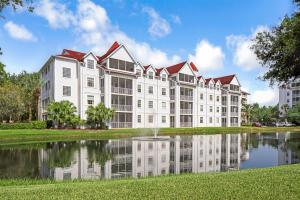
121 124
118 107
186 98
120 90
234 114
172 111
224 114
224 103
234 103
186 124
102 89
172 97
186 111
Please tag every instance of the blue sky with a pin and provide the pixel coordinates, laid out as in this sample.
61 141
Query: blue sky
214 34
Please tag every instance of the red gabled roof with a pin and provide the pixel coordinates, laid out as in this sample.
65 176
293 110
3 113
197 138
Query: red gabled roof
72 54
225 79
110 50
146 67
199 77
158 71
175 68
207 80
193 66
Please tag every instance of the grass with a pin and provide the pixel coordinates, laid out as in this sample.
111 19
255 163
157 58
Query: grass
33 135
271 183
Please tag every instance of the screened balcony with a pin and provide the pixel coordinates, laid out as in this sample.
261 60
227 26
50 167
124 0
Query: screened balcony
121 102
121 86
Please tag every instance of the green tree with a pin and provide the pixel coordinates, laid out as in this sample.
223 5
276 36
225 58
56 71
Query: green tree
247 110
285 108
293 114
279 49
62 113
3 74
15 4
97 116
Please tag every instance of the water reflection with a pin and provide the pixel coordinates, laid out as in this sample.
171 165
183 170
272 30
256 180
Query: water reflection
110 159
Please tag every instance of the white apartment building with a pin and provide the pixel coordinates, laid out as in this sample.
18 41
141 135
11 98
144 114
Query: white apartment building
289 94
142 96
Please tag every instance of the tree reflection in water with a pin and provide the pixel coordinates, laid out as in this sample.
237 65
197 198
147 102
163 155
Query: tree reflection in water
98 152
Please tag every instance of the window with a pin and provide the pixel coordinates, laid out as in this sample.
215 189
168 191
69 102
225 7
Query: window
150 75
150 146
201 96
90 82
218 87
150 104
218 109
163 91
210 120
66 72
217 120
139 103
201 84
150 118
121 65
139 88
66 90
139 162
163 158
201 120
138 72
90 64
218 98
201 108
90 99
150 90
163 119
139 147
139 119
164 105
210 109
210 97
163 77
200 164
150 162
186 78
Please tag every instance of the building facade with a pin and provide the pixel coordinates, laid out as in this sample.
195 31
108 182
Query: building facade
289 94
142 96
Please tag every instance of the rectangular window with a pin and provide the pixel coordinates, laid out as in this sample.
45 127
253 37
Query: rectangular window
139 88
210 120
150 118
164 105
150 90
139 103
201 120
90 64
66 90
218 98
163 77
66 72
138 72
210 97
210 109
201 108
163 91
186 78
218 109
150 104
90 99
139 119
217 120
150 75
201 96
90 82
163 119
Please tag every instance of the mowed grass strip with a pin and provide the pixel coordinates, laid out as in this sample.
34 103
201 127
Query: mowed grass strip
33 135
271 183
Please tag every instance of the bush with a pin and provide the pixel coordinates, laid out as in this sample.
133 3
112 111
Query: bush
29 125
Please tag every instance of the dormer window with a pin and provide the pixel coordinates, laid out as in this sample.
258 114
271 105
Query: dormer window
90 64
150 75
201 84
138 72
186 78
211 86
163 77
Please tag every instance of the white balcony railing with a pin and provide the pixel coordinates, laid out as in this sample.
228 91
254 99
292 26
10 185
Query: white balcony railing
185 124
121 90
172 97
234 114
118 107
186 111
235 103
121 124
224 114
186 98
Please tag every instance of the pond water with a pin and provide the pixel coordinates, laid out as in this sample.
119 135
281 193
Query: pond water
140 157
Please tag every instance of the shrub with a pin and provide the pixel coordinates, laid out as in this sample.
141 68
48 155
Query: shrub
29 125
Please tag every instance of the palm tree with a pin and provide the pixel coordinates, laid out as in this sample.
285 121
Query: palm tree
247 110
285 108
97 116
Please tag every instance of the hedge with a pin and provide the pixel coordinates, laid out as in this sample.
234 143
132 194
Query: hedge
28 125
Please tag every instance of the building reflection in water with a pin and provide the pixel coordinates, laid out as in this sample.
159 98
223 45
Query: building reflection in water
138 157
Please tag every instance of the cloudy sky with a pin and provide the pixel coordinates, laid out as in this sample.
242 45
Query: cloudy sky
214 34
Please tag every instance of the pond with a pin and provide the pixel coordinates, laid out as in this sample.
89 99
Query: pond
141 157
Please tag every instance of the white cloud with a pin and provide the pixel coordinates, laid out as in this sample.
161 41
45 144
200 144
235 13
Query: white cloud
176 19
243 56
19 32
159 26
57 14
96 31
266 97
207 56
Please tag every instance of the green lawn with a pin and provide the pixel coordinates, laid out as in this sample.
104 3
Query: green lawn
272 183
29 136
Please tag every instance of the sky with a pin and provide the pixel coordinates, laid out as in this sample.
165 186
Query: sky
215 34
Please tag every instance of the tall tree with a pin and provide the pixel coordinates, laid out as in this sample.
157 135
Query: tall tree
98 115
3 74
294 114
279 49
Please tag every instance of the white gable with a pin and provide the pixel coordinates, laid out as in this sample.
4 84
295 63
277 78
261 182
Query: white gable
186 70
235 81
89 56
150 69
122 54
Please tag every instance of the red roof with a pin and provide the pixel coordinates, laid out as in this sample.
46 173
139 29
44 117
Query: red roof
158 71
110 50
225 79
207 80
72 54
175 68
193 66
146 67
199 77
